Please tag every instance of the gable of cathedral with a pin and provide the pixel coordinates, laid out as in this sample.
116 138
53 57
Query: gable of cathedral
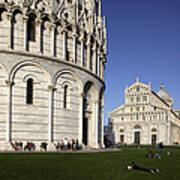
145 118
138 87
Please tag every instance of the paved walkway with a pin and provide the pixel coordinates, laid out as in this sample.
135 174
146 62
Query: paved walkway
69 151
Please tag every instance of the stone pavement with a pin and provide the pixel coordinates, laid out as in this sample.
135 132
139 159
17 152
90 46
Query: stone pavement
68 151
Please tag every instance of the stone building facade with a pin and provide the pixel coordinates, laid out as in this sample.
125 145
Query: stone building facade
145 118
52 60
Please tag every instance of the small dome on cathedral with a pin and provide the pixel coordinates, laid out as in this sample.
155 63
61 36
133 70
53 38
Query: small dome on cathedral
163 93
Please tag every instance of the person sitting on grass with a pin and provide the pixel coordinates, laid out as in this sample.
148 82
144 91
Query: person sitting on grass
150 154
135 167
157 155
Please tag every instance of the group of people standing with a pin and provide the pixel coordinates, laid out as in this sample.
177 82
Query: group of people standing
67 145
18 146
63 145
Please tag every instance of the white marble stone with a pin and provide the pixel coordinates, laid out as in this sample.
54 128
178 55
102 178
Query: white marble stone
145 112
54 58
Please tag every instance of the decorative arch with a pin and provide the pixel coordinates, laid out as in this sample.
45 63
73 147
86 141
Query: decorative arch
153 130
121 130
137 126
89 83
32 76
66 71
31 63
67 83
16 10
2 10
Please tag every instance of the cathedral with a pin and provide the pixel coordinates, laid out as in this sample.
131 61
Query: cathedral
52 61
145 118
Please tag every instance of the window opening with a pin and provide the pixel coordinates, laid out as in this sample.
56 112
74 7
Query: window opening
29 97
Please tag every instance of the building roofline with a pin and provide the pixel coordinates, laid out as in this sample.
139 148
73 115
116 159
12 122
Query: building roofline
160 99
173 111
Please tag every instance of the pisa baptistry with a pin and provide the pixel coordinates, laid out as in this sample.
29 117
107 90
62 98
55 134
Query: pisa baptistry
52 61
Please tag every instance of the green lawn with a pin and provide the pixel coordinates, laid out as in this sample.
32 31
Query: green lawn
88 166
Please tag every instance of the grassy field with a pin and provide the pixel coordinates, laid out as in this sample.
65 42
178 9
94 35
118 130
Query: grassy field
88 166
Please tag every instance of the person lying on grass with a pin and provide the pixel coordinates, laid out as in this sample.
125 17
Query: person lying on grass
134 166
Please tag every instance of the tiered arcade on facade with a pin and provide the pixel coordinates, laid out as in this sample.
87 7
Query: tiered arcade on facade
52 60
145 118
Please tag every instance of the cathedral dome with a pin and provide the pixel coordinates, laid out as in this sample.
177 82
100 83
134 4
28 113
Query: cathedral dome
163 93
165 96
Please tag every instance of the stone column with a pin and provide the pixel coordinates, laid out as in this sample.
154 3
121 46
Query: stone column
88 44
64 44
10 42
9 104
94 58
52 28
75 47
96 123
98 63
39 36
100 66
81 39
80 139
102 124
51 111
25 19
102 70
82 53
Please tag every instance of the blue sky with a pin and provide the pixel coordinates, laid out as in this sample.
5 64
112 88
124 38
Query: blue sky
143 41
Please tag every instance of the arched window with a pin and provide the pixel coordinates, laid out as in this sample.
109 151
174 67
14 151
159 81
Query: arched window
121 130
29 91
31 28
65 97
137 127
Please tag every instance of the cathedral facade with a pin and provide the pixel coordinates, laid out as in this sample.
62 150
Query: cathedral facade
52 60
145 118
